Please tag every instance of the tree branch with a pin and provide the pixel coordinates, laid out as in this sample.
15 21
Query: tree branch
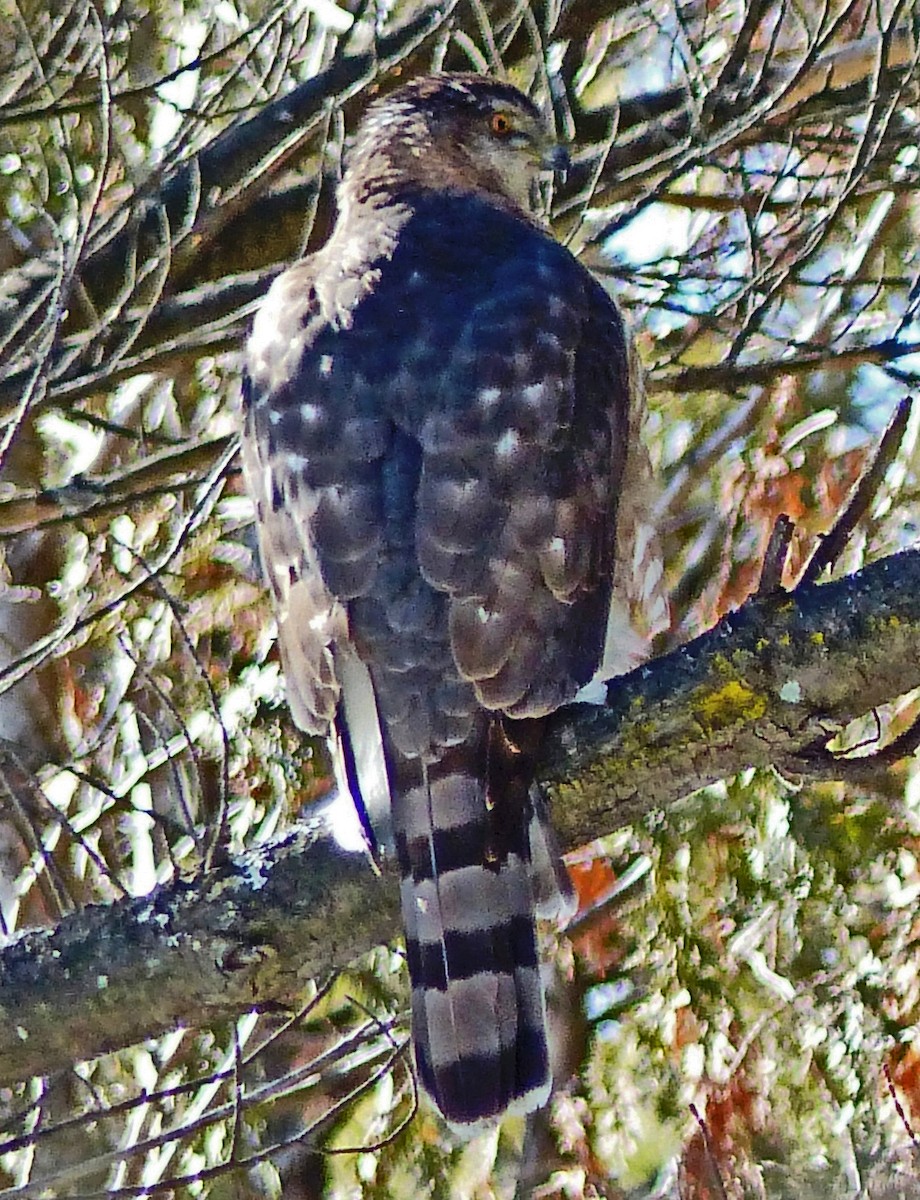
768 682
732 376
242 228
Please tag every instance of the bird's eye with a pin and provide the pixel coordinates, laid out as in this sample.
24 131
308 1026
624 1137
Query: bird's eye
501 124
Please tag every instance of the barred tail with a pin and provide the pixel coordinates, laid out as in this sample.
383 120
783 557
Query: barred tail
478 1015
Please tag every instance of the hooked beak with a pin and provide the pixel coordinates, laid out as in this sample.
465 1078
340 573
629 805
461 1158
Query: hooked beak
557 159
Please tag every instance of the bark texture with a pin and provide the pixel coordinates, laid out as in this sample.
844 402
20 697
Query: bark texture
767 684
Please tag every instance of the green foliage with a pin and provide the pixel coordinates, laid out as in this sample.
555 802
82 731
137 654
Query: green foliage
741 1019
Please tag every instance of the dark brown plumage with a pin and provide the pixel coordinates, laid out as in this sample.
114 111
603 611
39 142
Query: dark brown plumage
437 412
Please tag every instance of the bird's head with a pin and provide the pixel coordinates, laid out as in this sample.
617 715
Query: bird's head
457 133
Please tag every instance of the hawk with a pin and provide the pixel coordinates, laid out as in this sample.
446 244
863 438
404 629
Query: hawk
437 414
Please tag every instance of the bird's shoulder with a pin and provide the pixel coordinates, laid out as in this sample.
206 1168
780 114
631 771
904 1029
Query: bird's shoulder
409 289
457 238
461 242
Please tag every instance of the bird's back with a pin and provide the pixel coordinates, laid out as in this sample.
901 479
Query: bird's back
434 437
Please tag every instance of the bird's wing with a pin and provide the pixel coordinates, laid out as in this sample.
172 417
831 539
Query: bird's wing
435 442
312 464
521 471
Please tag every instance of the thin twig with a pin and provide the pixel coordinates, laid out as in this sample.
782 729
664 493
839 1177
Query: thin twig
818 762
833 544
898 1107
774 559
716 1174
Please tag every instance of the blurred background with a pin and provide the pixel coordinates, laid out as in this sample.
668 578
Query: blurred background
736 1008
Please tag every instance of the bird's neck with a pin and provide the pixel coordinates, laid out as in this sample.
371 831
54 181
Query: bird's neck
405 171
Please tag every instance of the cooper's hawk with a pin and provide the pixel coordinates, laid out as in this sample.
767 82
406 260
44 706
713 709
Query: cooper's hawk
437 413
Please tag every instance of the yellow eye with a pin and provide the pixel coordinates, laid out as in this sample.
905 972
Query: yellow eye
501 124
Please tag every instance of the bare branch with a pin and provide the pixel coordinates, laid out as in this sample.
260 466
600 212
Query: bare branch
765 684
832 546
